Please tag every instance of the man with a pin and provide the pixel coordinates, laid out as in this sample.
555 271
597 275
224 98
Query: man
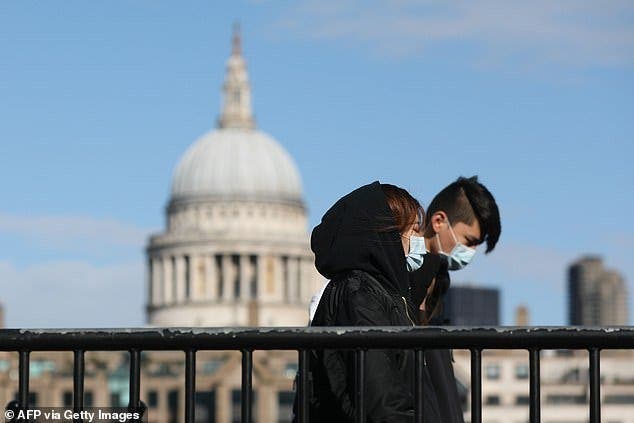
460 217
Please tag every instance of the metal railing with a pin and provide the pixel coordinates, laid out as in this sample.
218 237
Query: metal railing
359 339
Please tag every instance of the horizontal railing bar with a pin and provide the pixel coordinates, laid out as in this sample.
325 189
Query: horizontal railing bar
317 337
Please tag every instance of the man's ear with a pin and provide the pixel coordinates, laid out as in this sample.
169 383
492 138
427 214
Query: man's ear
438 220
434 225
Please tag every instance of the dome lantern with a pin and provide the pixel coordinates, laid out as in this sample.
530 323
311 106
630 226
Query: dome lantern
236 108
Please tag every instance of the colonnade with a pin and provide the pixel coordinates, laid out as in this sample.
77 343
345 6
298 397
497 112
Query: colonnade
228 277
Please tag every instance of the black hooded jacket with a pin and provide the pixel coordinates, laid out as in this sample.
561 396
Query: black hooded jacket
369 286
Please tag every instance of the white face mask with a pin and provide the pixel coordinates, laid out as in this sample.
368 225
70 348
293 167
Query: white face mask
414 259
417 250
459 256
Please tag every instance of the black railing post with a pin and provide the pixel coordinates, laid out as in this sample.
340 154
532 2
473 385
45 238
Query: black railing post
535 378
23 380
595 386
78 381
190 386
302 387
247 372
419 393
135 379
476 385
360 385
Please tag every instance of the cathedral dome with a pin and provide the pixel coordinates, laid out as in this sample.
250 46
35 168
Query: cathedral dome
237 164
236 161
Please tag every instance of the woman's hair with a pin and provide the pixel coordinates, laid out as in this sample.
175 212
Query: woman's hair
406 211
404 207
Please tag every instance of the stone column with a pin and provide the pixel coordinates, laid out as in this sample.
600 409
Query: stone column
211 275
149 280
195 279
262 292
180 279
265 286
223 403
293 283
156 280
280 287
304 295
167 277
267 406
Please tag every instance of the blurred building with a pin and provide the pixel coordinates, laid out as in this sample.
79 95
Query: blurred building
236 250
522 316
564 387
596 296
472 305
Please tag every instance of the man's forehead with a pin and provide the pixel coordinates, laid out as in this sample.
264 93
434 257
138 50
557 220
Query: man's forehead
473 230
470 231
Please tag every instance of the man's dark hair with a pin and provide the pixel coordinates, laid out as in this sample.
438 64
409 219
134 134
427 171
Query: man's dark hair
466 199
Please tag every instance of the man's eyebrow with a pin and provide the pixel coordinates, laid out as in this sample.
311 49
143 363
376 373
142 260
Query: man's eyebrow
472 240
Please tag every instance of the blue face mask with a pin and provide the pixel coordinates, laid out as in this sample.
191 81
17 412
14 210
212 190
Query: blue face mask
459 256
417 250
414 259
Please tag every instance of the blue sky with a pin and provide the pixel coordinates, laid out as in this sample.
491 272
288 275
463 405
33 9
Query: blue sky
100 99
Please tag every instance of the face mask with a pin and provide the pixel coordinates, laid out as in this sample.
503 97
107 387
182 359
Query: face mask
417 250
459 256
414 259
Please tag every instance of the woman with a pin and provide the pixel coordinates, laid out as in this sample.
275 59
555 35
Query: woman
367 244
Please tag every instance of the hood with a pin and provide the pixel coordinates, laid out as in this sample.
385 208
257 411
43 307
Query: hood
351 236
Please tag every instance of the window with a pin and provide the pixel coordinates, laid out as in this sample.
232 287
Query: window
564 399
211 366
115 399
172 406
521 371
205 406
88 399
493 371
152 399
522 400
285 406
619 399
236 404
67 399
492 400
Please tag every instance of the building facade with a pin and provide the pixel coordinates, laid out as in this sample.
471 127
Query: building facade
564 388
471 305
596 296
